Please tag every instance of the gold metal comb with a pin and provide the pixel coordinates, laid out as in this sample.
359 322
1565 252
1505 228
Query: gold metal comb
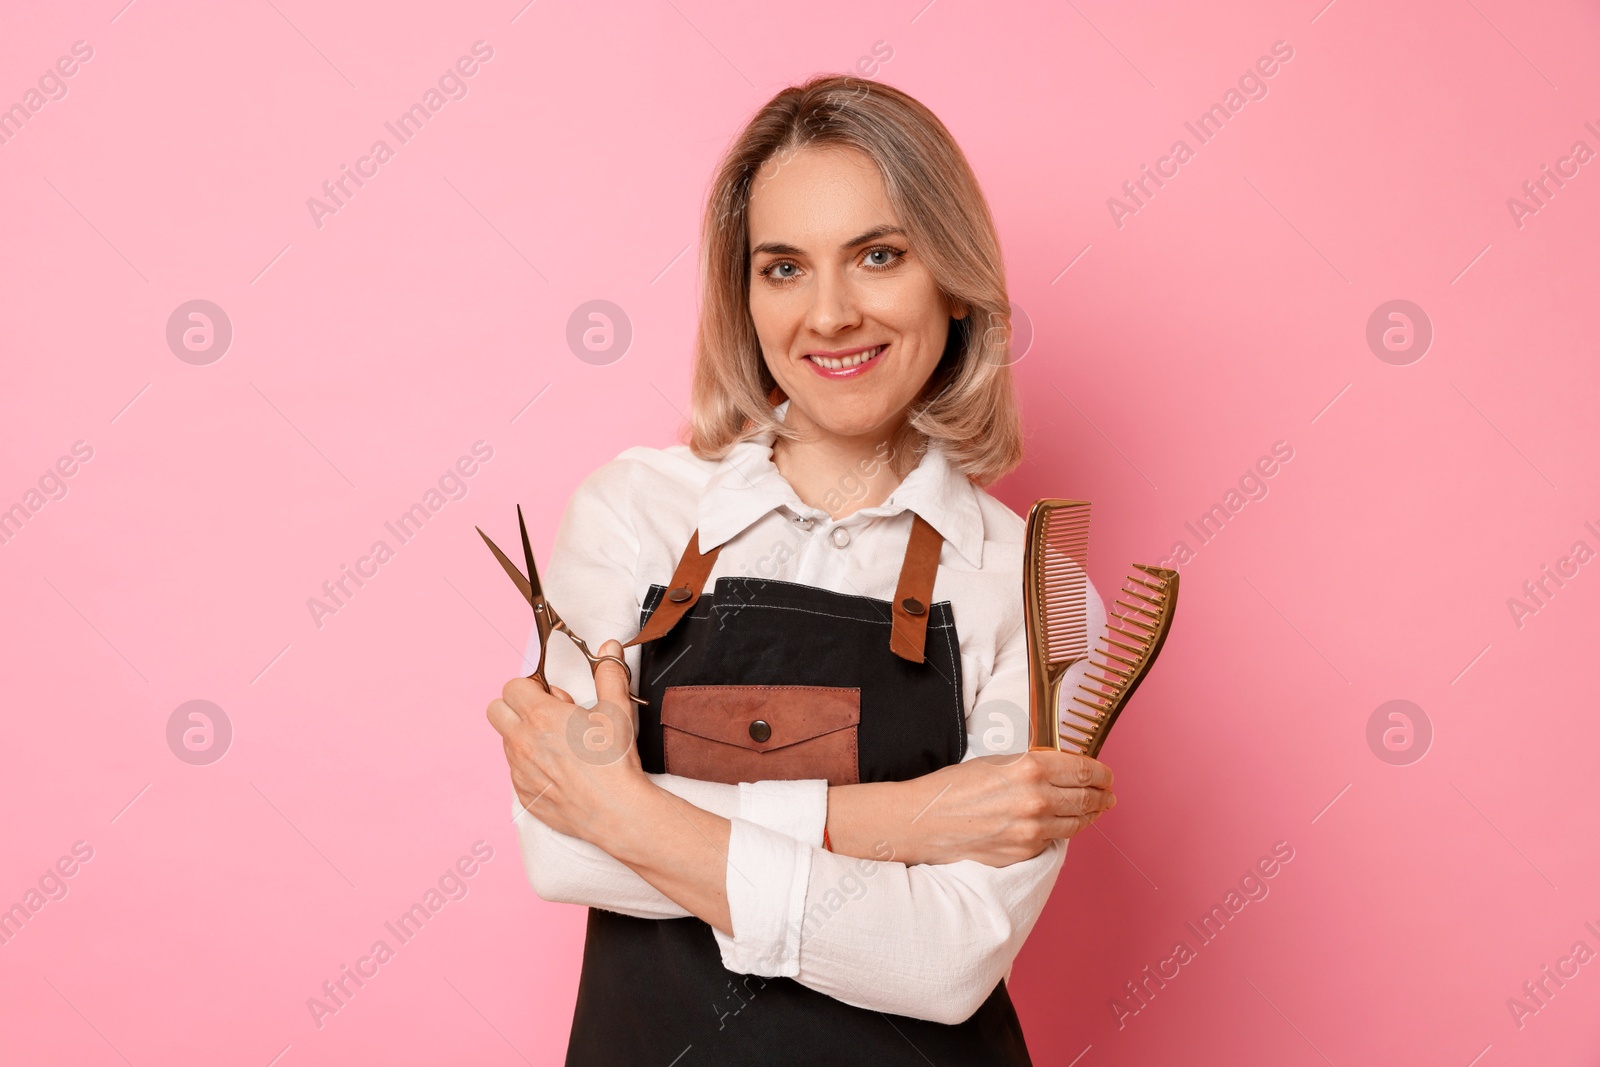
1054 578
1133 640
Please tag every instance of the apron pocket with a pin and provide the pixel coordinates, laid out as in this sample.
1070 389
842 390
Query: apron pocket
756 733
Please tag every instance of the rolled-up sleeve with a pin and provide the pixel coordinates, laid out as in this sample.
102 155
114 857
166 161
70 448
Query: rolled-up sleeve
569 870
929 941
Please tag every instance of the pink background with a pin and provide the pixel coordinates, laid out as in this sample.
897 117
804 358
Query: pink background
1227 314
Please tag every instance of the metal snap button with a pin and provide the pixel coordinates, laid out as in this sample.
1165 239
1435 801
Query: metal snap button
913 606
760 730
678 594
840 536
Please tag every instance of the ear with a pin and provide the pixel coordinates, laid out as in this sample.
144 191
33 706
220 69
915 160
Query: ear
956 308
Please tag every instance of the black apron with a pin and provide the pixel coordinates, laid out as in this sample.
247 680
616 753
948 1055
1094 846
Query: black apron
654 991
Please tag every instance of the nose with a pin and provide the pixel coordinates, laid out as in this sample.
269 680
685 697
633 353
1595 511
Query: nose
834 308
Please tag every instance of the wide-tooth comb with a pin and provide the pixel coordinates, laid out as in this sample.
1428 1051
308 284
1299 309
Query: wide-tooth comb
1055 562
1133 640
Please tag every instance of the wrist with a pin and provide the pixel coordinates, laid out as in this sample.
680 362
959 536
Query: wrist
631 808
876 820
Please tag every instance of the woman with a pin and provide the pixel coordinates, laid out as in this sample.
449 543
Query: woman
863 902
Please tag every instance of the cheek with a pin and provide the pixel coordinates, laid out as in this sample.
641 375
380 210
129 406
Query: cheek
913 309
774 321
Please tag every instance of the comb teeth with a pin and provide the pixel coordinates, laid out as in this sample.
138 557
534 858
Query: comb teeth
1061 576
1133 639
1054 587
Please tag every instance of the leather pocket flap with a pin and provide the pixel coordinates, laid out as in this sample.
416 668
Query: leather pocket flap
792 713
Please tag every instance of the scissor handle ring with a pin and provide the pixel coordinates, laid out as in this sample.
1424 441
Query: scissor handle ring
635 699
598 659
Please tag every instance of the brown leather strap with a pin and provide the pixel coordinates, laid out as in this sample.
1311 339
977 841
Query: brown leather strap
694 567
914 593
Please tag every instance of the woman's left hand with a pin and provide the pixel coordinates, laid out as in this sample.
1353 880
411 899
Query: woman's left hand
573 768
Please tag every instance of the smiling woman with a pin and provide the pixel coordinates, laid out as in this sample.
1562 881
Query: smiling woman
846 220
814 762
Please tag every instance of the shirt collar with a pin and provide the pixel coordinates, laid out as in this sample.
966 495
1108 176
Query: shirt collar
746 485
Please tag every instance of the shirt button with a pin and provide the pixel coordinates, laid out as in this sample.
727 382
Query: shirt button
840 536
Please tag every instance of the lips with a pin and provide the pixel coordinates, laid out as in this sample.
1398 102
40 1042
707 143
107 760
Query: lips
842 366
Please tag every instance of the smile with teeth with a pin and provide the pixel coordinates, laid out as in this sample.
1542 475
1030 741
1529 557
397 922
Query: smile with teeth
847 361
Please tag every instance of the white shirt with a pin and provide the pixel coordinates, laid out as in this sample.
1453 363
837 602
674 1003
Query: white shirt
928 940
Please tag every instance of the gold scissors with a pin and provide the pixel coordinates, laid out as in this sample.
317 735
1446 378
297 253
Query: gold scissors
544 616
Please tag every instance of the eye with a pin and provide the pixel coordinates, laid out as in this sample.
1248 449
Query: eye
773 271
882 264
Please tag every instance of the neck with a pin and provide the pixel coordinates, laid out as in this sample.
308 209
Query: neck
835 473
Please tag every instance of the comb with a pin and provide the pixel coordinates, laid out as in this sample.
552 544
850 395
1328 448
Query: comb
1133 639
1054 579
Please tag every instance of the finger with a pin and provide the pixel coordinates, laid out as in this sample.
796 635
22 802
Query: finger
610 679
561 694
1070 769
1084 801
502 717
522 693
1071 825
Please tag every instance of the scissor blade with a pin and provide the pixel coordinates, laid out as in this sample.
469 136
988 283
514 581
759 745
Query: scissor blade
511 568
527 554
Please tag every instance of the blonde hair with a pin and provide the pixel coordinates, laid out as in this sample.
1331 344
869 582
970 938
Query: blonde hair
967 403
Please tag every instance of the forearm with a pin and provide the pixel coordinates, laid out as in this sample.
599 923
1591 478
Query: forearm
680 849
570 870
870 819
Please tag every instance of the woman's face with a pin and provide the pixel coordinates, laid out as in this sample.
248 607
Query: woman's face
833 281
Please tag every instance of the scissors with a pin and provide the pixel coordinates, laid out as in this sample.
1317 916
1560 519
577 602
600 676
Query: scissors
544 616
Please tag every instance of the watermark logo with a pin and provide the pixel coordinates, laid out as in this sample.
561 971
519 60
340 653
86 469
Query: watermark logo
51 86
199 732
1552 979
1537 592
1004 344
599 332
1399 332
1252 887
849 885
601 733
1001 732
337 592
52 485
1399 732
869 65
50 886
199 332
1538 192
1251 85
1252 485
452 885
452 85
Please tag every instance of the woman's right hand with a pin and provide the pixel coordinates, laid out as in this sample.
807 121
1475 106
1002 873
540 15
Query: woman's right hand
1003 809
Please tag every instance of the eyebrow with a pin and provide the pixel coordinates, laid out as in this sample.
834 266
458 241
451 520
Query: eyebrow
778 248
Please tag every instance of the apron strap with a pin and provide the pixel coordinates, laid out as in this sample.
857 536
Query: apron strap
694 567
909 625
909 620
